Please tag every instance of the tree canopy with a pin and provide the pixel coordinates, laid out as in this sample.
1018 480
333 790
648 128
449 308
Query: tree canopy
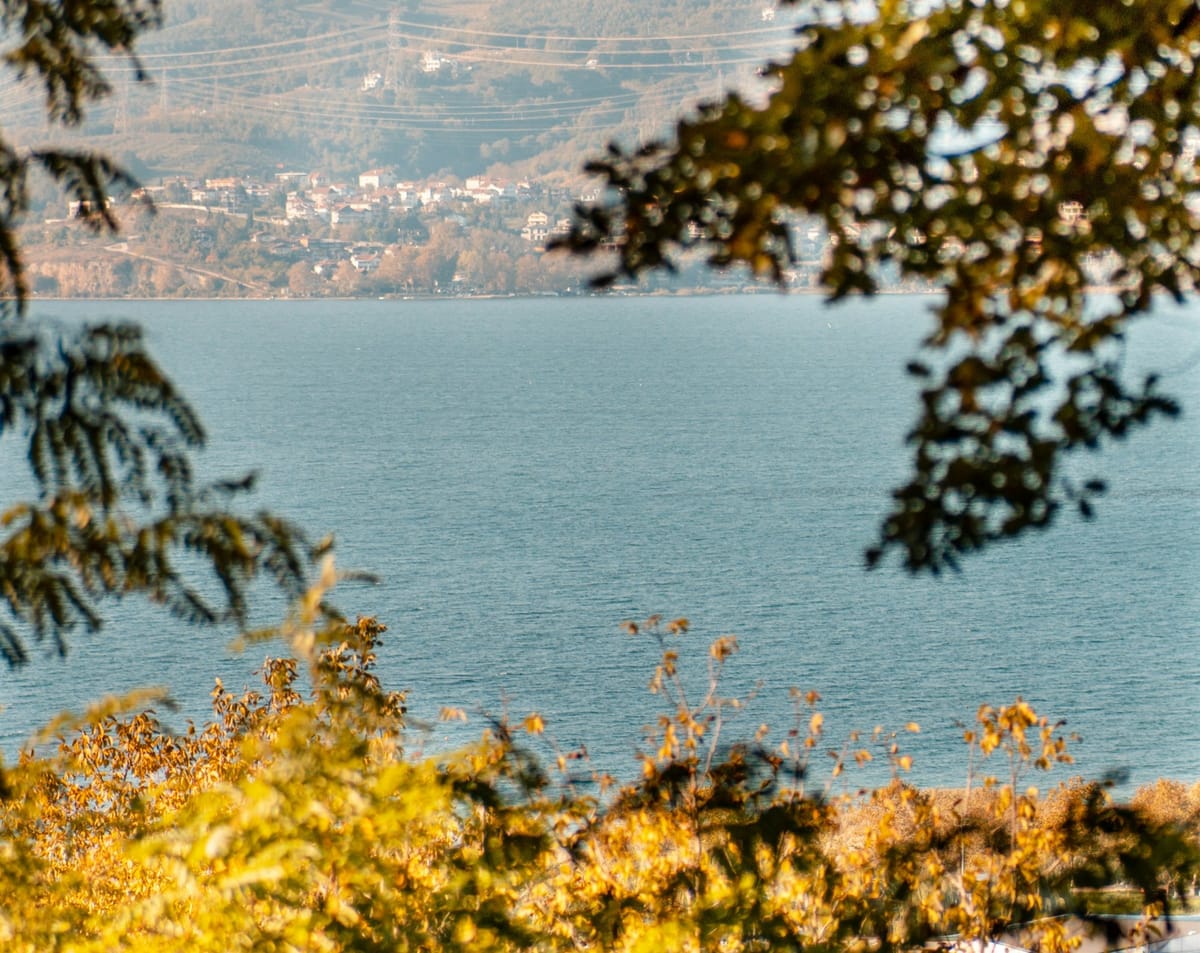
107 437
1013 155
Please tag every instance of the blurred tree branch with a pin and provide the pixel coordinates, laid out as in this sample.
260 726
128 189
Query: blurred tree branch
1009 154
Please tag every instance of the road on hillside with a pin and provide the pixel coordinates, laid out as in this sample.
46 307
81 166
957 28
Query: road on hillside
122 248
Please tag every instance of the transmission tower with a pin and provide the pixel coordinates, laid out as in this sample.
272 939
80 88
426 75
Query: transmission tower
391 72
121 120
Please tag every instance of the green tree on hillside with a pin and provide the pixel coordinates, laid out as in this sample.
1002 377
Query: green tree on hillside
108 439
1010 154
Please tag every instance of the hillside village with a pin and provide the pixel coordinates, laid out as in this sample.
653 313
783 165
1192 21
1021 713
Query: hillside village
307 234
448 139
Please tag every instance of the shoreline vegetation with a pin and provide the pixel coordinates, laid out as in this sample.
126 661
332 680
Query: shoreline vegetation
176 255
450 248
190 253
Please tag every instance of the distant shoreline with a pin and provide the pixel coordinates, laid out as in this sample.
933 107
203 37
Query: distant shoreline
525 296
688 293
808 292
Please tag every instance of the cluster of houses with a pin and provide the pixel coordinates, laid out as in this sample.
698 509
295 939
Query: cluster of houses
314 201
313 197
325 254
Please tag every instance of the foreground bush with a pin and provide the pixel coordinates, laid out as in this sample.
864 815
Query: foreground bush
299 822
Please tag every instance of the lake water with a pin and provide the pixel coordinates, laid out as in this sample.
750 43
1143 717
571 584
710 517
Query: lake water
525 475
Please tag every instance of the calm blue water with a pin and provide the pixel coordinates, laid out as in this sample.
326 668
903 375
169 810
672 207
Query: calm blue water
525 475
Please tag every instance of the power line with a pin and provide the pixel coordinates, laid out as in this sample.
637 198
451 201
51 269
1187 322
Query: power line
211 80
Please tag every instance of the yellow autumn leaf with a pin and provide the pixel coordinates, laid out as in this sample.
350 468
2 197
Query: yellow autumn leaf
534 725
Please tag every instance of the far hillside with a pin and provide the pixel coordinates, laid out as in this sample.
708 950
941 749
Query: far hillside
526 87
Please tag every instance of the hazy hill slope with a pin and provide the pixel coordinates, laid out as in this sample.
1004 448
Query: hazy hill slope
421 85
602 18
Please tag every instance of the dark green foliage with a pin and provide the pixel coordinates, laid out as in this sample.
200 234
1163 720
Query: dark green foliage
108 438
1008 154
109 441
